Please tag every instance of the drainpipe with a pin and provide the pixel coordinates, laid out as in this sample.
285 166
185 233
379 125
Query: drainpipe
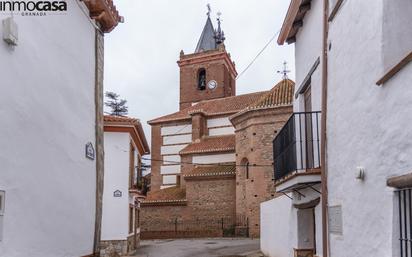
324 177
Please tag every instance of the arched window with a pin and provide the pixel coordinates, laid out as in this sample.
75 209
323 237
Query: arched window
201 79
245 167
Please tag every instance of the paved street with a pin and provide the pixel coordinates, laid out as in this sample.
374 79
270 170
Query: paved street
198 248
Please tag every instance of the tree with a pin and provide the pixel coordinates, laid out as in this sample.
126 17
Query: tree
118 106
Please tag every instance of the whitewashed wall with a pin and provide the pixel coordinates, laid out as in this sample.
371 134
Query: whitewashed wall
169 179
279 219
220 126
170 169
116 209
48 115
278 232
221 131
396 34
308 48
174 130
178 139
175 138
171 149
214 158
379 134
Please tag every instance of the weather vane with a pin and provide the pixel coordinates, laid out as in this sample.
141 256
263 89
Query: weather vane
285 70
209 10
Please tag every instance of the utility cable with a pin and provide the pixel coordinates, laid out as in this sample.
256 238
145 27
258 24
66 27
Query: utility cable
208 164
257 56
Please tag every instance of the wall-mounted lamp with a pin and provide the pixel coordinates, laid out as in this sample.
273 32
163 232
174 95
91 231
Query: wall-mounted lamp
10 31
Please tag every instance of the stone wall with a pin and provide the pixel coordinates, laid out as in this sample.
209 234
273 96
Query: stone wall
113 248
255 131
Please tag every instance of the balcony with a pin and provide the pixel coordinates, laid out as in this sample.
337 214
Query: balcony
140 187
296 151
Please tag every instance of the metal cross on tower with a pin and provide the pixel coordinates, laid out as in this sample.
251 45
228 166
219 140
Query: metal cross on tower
285 70
209 10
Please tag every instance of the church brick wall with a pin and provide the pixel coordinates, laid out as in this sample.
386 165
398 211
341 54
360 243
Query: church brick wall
255 132
156 178
212 199
208 202
216 69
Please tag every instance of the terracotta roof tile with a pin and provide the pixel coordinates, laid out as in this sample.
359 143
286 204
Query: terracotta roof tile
212 170
104 12
281 94
227 105
113 120
175 193
211 144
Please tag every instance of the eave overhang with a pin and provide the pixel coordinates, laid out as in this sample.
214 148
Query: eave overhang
293 21
104 12
136 132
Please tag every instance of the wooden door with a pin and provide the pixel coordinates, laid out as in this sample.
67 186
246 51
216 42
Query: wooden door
308 129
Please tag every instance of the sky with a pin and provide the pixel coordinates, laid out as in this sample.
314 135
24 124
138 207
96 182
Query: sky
141 53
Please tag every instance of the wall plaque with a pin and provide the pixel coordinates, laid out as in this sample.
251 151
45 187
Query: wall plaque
335 220
117 193
90 153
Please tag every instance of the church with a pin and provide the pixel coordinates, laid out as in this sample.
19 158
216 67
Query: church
212 161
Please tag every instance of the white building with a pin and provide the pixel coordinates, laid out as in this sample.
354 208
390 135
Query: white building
368 134
51 109
124 186
297 230
368 42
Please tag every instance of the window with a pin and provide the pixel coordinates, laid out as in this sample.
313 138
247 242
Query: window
131 167
201 79
131 223
2 202
245 167
405 216
138 218
2 207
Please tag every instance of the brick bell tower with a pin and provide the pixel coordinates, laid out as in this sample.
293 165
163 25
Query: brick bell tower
209 72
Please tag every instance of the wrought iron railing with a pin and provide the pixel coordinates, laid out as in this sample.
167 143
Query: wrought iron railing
296 147
405 221
141 184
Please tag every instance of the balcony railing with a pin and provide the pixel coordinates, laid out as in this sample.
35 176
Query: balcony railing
141 185
296 147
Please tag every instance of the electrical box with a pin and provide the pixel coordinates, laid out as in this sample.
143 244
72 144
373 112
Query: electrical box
10 31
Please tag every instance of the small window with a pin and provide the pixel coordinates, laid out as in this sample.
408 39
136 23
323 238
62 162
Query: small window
132 166
131 223
201 79
2 207
2 202
405 220
246 166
